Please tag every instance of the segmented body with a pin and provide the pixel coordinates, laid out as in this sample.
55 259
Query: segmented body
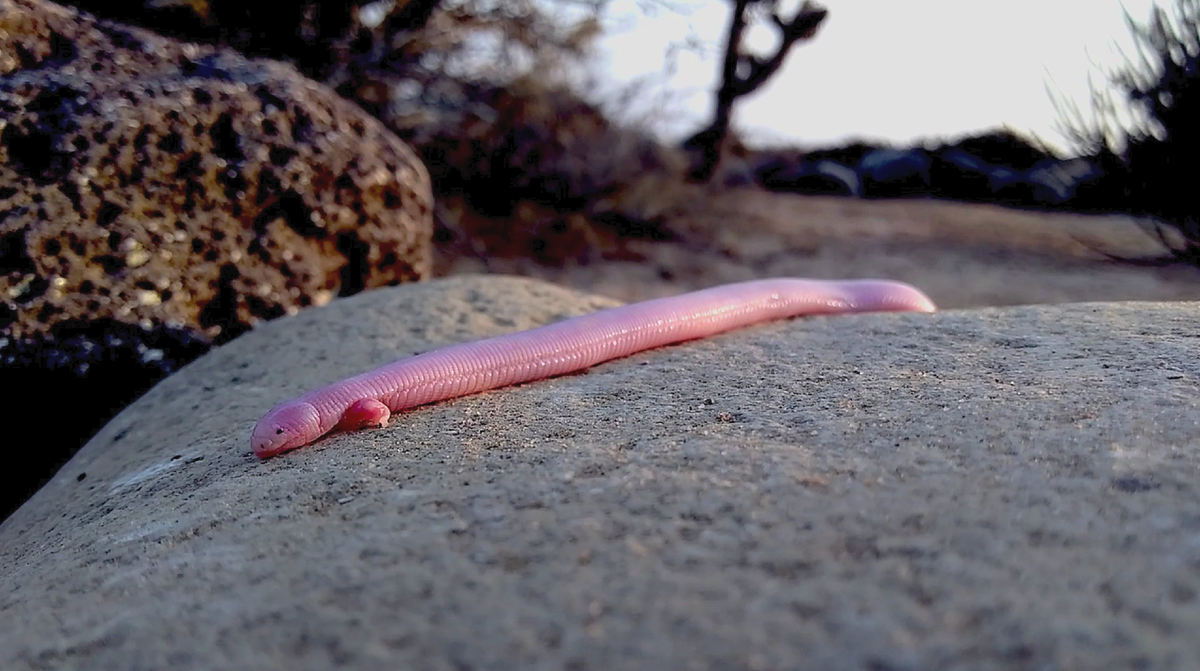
570 345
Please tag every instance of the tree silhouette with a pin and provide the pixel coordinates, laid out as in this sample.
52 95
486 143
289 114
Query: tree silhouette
1149 154
743 73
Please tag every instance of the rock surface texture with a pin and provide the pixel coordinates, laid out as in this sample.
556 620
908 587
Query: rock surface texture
159 182
997 489
156 197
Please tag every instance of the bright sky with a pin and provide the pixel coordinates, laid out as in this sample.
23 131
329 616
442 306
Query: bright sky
878 69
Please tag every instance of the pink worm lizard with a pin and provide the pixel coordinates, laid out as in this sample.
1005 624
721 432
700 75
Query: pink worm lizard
370 399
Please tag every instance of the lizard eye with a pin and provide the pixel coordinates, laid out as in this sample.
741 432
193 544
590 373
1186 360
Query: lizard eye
285 427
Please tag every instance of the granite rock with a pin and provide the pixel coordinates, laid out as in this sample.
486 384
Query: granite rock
157 197
1012 488
167 183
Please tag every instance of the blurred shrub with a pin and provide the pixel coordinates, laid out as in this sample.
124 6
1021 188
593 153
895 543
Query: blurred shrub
1149 154
481 90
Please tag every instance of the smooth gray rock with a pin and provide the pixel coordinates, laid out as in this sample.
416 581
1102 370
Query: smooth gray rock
996 489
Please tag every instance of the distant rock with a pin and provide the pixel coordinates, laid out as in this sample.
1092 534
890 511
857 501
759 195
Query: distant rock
153 181
822 177
851 153
1060 182
175 194
895 173
1009 488
958 174
1001 147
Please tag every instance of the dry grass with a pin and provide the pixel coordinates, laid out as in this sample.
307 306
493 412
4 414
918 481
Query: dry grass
964 255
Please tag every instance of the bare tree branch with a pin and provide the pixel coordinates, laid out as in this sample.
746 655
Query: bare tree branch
743 73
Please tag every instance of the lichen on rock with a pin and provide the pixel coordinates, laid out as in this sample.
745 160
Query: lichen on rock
157 182
157 198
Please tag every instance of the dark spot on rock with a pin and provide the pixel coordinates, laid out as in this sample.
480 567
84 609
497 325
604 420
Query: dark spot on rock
27 58
62 50
281 155
269 99
80 477
391 199
107 214
142 138
1132 484
86 287
344 182
120 37
226 142
32 154
48 311
302 128
111 264
52 247
269 127
35 145
7 192
295 214
269 187
263 310
114 241
50 101
172 143
14 255
71 191
189 168
35 288
201 96
197 245
222 310
354 274
234 188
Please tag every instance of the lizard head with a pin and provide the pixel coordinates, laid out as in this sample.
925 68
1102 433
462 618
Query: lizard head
286 427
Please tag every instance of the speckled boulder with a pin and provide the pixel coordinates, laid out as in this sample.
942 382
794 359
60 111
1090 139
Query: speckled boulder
157 198
164 183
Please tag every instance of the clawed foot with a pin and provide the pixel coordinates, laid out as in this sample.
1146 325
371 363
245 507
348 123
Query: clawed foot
365 413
